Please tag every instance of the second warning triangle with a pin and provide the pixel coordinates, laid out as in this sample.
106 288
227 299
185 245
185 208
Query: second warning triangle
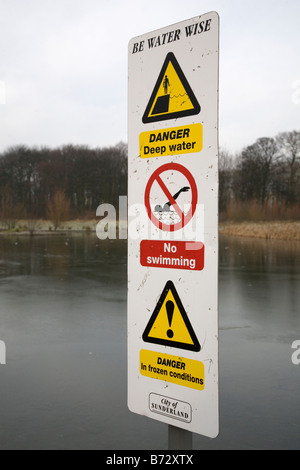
169 324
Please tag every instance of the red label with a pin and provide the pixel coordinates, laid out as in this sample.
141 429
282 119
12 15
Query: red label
172 255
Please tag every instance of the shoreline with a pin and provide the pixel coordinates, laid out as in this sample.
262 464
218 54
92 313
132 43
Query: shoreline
274 230
46 227
35 228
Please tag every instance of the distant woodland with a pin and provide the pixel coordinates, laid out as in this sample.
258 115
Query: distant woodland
262 182
65 183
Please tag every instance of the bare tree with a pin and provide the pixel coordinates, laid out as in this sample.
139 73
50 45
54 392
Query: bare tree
225 179
252 179
10 211
58 208
267 149
289 143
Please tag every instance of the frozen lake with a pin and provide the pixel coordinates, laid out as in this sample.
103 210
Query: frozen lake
63 319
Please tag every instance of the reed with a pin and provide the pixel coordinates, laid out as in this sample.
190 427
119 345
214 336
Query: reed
270 230
253 211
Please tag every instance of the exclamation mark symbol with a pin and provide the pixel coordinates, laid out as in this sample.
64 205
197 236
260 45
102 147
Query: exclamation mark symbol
170 312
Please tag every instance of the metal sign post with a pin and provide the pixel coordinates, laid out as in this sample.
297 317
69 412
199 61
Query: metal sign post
173 227
179 439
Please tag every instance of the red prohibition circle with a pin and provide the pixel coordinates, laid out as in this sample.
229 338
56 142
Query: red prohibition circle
156 177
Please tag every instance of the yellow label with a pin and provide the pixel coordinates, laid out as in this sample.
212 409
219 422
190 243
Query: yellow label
172 141
174 369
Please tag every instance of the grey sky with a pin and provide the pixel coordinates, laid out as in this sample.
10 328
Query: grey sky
63 67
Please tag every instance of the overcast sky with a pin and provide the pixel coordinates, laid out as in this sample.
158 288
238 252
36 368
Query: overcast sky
63 67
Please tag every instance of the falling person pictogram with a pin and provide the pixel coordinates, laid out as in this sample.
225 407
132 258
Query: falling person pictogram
166 84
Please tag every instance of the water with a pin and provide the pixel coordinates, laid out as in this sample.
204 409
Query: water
63 319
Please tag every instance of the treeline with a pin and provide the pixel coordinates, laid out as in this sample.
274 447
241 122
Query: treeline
263 181
33 181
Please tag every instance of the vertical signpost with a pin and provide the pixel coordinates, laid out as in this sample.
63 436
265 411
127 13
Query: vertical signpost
173 225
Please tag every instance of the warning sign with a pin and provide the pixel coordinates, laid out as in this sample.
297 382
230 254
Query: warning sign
172 96
169 324
171 197
173 141
173 236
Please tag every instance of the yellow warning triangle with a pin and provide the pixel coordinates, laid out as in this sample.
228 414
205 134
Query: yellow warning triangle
172 96
169 324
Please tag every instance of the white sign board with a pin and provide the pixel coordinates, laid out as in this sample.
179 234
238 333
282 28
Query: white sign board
173 225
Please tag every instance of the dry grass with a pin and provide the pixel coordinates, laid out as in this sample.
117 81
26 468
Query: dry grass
281 230
47 226
252 211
